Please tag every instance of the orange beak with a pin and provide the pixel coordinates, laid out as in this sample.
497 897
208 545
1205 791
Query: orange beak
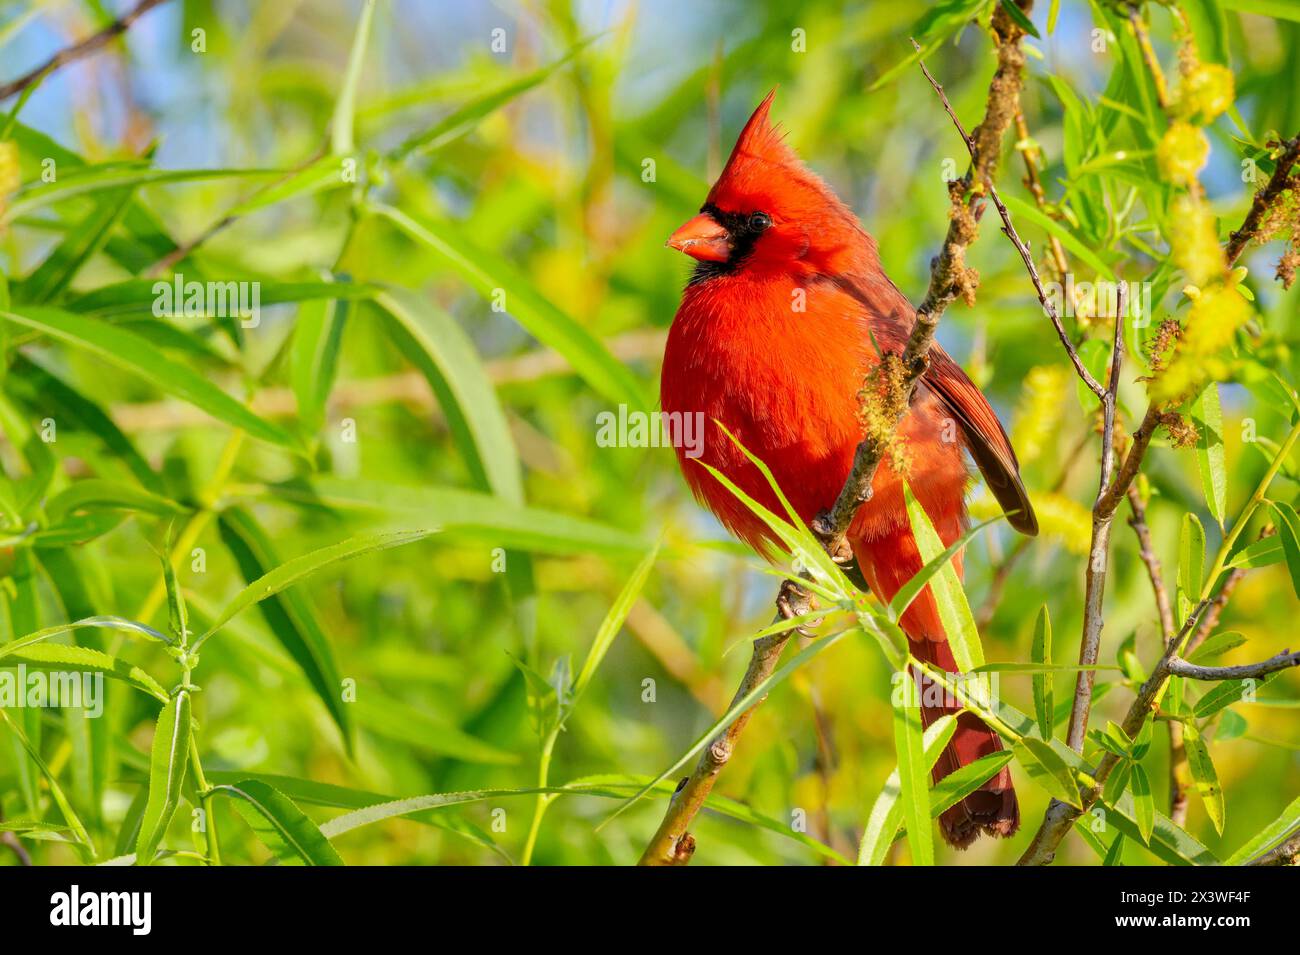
702 238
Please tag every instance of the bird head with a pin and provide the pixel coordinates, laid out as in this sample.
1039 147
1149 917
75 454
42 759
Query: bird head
768 211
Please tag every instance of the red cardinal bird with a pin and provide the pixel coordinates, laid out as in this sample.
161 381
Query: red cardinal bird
785 383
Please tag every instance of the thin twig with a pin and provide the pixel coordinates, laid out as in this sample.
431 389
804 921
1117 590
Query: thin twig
79 50
1278 183
1247 671
1285 854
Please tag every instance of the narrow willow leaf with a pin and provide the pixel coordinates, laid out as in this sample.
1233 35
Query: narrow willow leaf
106 622
1216 646
104 176
341 141
538 315
60 657
1115 853
1273 832
1042 653
913 776
289 614
1227 693
1288 528
53 275
294 570
887 812
92 493
737 707
1144 805
137 356
449 362
317 335
280 825
1207 415
1191 563
137 297
466 515
73 410
909 591
1046 768
167 766
1203 774
1117 782
460 121
954 611
960 783
1260 553
85 847
613 622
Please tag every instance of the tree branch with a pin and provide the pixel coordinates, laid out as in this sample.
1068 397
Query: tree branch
1285 854
1248 671
79 50
1264 199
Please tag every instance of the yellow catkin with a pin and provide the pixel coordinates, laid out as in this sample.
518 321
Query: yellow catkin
1182 153
1060 519
10 177
1195 241
1205 91
1212 322
1038 412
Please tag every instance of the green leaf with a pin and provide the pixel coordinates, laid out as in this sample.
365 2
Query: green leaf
1227 693
1046 768
317 335
1288 528
105 622
1191 564
1067 238
466 514
1117 782
1217 645
447 359
95 494
137 356
61 266
960 783
737 707
280 825
913 775
1211 460
91 179
294 570
341 141
1275 831
57 656
946 588
1144 806
1042 653
1018 15
908 592
1115 853
460 121
167 766
613 622
1203 774
79 834
887 812
289 614
493 275
138 296
1279 9
1261 553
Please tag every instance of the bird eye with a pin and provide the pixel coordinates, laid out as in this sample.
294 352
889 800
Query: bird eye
759 221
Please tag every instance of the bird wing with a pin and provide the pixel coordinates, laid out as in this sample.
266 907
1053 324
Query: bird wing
985 438
890 316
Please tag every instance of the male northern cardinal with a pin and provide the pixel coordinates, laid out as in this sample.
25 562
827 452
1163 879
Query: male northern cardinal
785 382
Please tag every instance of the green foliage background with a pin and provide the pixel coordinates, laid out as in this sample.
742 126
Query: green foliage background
485 178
